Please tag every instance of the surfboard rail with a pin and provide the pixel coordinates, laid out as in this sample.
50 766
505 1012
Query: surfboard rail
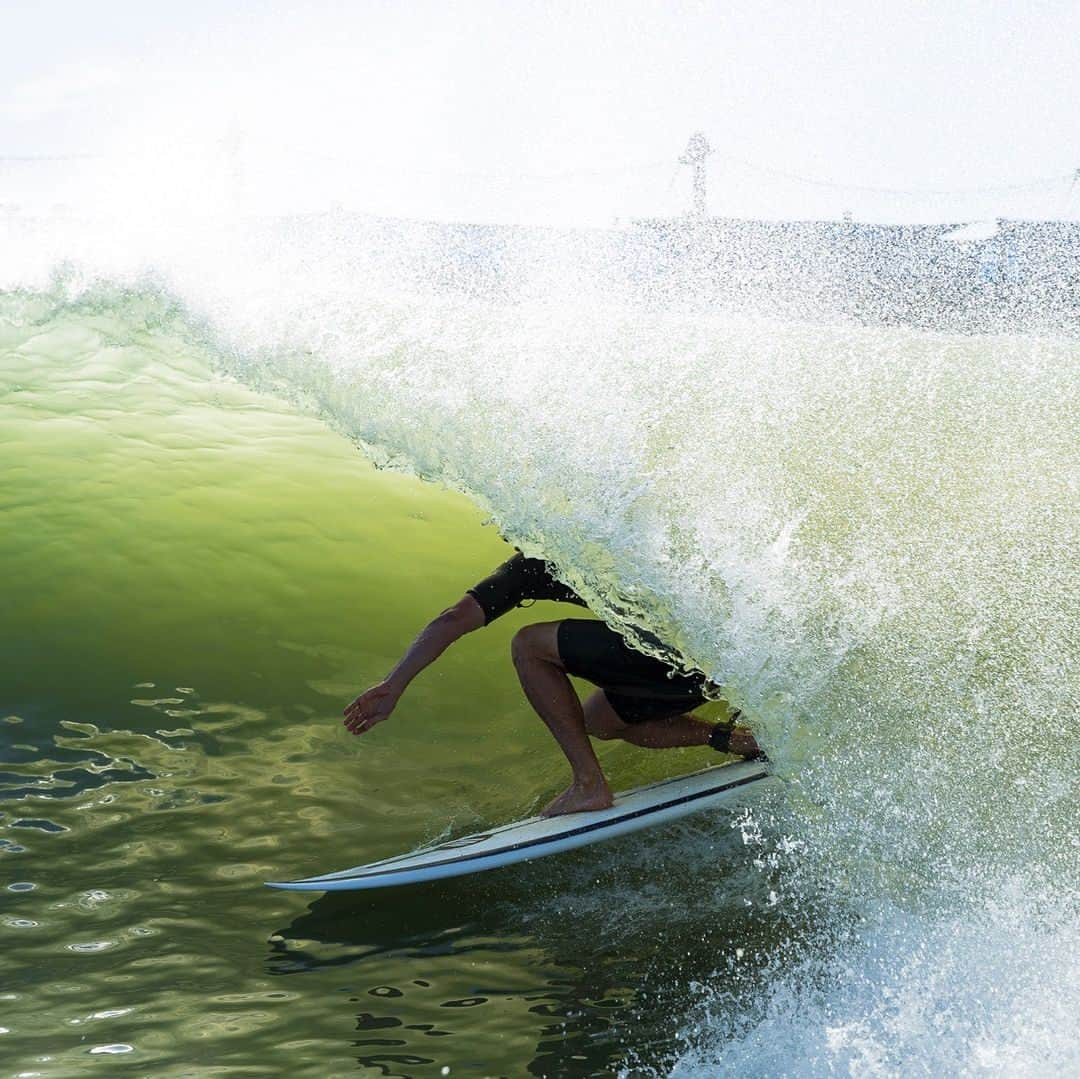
536 837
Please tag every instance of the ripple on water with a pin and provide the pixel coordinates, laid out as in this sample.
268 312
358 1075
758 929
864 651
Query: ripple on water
39 823
246 998
105 1013
94 898
91 946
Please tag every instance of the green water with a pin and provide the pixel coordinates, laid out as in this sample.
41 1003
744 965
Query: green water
197 579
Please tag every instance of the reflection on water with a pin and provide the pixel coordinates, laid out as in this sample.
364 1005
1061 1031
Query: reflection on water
199 581
566 951
148 932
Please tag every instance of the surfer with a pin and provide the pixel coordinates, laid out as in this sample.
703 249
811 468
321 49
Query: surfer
640 699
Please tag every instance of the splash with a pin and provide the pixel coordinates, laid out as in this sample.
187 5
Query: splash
866 533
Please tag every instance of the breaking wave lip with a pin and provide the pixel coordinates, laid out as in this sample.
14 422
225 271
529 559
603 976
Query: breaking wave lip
865 533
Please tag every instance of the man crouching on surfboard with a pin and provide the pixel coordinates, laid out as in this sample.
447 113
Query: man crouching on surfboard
640 699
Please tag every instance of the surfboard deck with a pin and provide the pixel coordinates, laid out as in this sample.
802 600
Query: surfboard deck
538 837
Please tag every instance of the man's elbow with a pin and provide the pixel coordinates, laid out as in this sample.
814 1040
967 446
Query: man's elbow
465 616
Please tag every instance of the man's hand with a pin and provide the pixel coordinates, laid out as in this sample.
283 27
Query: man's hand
371 707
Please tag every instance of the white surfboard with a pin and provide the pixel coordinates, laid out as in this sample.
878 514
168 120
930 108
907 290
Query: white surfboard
537 837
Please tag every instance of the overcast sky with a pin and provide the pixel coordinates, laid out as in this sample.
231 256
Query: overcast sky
558 112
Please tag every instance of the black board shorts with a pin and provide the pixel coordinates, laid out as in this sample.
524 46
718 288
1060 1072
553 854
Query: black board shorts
639 687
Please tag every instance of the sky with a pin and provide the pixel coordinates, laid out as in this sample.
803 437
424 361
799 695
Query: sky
537 112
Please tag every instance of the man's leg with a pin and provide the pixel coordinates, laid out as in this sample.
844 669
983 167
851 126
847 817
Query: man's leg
540 669
672 732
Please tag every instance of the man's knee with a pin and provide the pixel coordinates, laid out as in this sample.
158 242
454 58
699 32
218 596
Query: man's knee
536 642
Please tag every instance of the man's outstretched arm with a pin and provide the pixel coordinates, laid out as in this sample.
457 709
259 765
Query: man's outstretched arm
375 704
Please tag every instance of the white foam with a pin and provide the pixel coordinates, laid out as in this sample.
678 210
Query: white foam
867 535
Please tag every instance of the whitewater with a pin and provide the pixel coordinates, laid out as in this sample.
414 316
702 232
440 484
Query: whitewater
865 533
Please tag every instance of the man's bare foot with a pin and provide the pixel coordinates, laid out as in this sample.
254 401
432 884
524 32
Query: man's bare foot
743 742
579 798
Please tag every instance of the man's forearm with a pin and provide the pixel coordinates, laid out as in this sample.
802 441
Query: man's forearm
433 640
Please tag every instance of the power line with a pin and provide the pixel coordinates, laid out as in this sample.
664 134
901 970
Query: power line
720 160
33 159
505 175
1028 185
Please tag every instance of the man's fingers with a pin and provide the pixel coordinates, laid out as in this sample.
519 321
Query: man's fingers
360 724
367 699
371 707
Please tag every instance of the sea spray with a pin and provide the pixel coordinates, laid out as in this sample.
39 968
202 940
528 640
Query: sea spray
866 534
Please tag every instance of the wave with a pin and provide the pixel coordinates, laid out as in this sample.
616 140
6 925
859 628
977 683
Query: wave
865 533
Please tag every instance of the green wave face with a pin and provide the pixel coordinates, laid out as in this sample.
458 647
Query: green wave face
866 535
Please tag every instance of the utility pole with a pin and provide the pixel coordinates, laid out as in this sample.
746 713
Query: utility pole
697 149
